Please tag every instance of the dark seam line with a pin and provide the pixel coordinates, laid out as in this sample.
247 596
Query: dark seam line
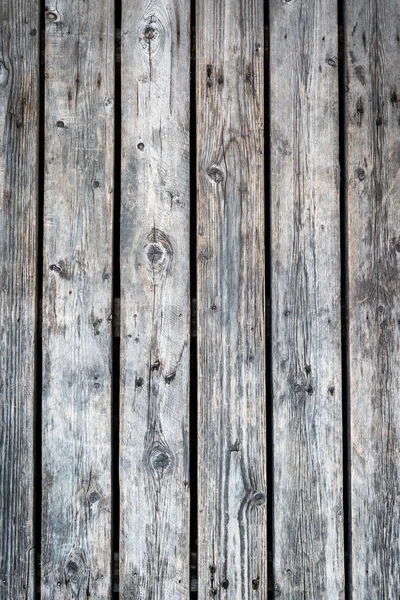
37 499
268 284
344 299
193 394
116 293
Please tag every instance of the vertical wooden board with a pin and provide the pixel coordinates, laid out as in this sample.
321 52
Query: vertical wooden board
19 111
373 160
77 304
306 303
155 333
232 517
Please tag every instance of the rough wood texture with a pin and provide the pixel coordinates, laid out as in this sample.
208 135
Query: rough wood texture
231 300
19 107
155 305
373 155
306 325
77 304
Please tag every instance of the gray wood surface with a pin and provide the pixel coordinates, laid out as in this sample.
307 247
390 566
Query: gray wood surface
19 112
155 303
232 516
77 304
306 305
373 160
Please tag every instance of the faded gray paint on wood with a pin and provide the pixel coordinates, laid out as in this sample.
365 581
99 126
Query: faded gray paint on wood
306 324
232 540
19 110
77 304
155 303
373 160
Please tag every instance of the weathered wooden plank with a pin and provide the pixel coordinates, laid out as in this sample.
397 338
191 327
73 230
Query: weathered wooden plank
77 304
305 301
155 304
231 300
373 161
19 115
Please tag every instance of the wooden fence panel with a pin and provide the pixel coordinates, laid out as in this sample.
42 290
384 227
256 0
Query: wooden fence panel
19 119
232 516
306 303
77 303
373 160
155 300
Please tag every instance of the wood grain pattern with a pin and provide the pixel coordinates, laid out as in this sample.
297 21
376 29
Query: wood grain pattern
373 160
19 113
306 324
232 516
77 304
155 303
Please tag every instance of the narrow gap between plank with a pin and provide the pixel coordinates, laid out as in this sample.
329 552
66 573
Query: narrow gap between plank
344 300
268 283
116 290
193 294
37 500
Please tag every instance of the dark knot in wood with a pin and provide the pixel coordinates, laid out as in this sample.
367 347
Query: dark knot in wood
361 174
209 76
256 583
94 497
258 498
52 16
158 253
152 36
159 459
332 61
139 382
150 33
170 377
154 253
75 570
215 174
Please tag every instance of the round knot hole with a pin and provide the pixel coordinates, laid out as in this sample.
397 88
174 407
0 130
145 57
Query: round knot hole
361 174
255 584
259 498
160 459
155 253
94 497
150 33
215 174
72 568
52 16
75 569
332 61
